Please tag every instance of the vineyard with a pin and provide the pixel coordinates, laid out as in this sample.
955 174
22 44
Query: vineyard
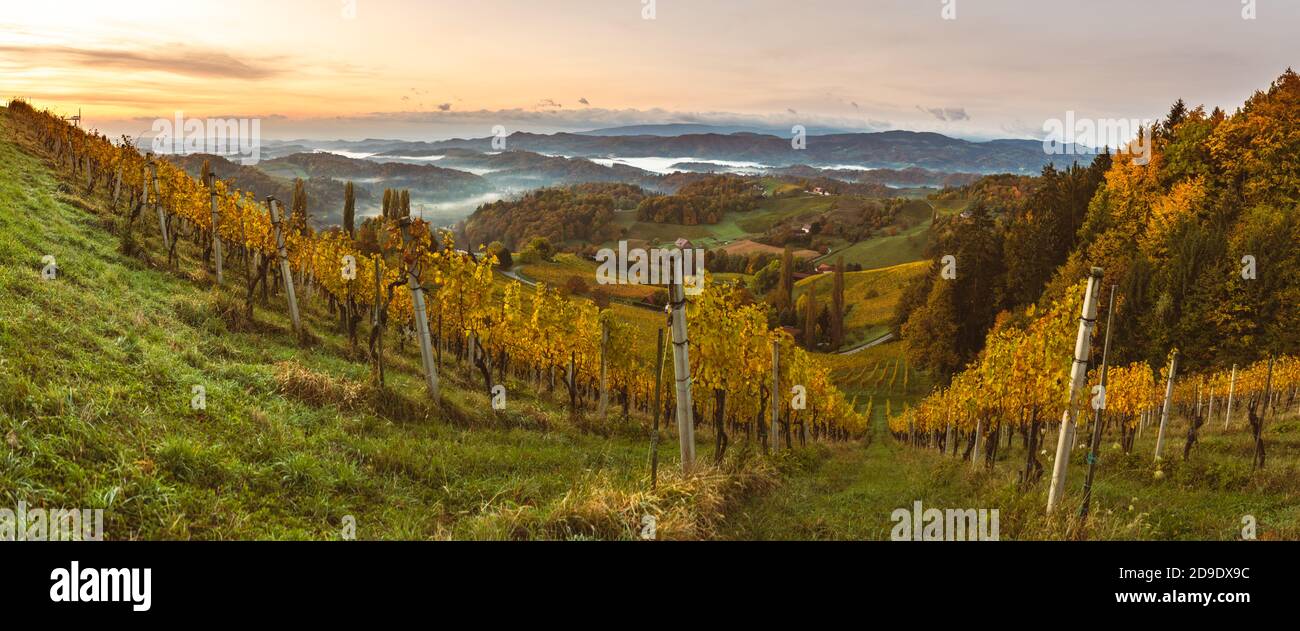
407 285
446 376
1022 385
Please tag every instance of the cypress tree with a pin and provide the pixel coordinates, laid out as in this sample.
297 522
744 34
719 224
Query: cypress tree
810 318
298 213
350 210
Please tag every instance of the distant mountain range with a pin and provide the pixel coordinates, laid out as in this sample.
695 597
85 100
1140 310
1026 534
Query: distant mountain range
888 150
448 179
682 129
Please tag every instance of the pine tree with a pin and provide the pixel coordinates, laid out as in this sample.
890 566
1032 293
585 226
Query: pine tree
298 210
350 210
810 318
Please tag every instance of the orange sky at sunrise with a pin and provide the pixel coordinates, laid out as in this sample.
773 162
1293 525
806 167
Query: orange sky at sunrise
328 68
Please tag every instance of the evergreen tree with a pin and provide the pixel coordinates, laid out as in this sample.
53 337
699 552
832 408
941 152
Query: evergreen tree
298 209
787 277
350 210
810 318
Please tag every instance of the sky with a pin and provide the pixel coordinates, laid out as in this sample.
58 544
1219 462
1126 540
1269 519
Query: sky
431 69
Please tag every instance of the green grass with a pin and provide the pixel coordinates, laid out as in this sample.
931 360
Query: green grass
734 226
904 246
565 266
97 366
870 297
851 492
96 371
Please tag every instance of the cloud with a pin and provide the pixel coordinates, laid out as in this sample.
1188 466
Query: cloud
854 104
584 101
444 107
179 60
946 113
791 111
548 103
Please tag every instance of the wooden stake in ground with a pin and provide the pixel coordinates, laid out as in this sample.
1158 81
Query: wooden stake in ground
157 202
1094 447
1169 401
604 370
682 374
421 318
216 238
377 326
277 219
776 394
654 437
117 186
1232 387
1078 381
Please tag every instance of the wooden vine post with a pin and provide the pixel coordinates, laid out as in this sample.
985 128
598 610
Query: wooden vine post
604 369
377 325
216 238
682 374
277 219
1232 387
1094 446
654 436
117 186
1078 381
157 204
421 317
776 393
1169 401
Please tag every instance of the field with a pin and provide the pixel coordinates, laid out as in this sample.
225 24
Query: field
733 227
746 247
851 491
870 297
880 376
97 369
905 246
558 272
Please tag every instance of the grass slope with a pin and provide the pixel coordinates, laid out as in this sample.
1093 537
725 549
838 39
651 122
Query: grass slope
96 371
851 493
869 296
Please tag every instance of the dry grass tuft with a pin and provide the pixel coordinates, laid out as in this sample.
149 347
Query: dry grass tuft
685 507
297 381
